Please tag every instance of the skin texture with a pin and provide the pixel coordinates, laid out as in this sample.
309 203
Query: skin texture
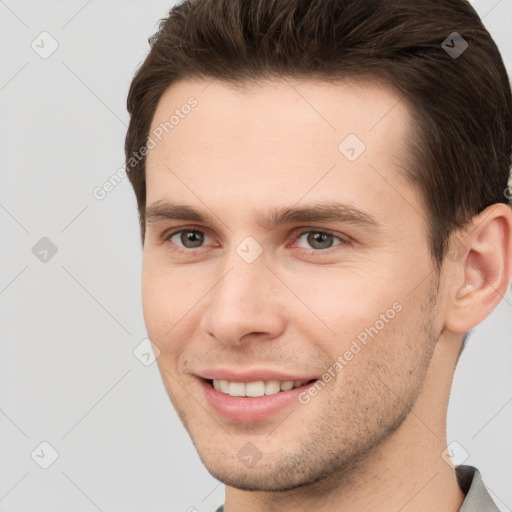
380 423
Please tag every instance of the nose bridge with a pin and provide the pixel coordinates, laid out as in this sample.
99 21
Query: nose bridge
243 284
242 301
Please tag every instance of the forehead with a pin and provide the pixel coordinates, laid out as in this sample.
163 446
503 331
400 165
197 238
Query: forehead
279 140
353 106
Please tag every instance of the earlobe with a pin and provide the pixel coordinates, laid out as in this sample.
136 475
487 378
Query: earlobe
480 279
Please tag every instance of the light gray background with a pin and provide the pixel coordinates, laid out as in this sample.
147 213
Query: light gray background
69 326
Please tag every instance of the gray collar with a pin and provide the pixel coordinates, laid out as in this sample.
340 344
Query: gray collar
477 498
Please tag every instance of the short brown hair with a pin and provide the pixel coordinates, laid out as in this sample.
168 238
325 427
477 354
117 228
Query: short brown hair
460 151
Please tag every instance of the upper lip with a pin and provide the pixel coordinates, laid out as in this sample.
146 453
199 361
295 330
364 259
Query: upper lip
252 375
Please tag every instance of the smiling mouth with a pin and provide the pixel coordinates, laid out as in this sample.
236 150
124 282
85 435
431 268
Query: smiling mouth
256 389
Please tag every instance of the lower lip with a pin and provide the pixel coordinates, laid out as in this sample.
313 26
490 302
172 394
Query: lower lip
250 408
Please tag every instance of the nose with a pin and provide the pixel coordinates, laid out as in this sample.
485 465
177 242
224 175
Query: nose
244 304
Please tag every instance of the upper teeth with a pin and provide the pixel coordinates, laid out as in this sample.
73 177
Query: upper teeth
255 389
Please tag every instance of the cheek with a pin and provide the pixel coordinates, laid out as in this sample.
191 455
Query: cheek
169 297
161 323
346 300
158 301
151 298
375 324
389 366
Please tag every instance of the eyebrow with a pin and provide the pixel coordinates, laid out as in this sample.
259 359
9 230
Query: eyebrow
320 212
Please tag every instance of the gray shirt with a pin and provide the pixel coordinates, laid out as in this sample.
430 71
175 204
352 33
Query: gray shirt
477 498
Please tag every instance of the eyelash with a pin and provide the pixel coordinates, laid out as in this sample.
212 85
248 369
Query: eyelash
343 242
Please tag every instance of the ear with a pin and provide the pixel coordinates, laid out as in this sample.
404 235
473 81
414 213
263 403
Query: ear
479 268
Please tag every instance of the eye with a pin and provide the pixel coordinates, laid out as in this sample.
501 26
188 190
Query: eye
188 238
321 240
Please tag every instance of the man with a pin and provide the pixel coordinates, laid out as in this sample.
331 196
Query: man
322 190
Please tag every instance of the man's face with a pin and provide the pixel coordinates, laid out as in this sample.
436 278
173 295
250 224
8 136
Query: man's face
236 295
